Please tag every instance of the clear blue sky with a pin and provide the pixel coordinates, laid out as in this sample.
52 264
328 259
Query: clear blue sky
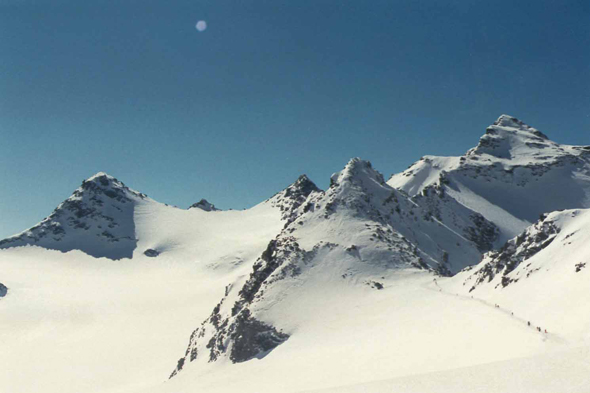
270 90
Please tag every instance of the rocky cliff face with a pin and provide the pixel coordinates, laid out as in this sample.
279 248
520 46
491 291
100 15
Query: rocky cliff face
516 251
556 239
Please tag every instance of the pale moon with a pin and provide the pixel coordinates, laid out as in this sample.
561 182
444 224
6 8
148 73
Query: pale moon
201 25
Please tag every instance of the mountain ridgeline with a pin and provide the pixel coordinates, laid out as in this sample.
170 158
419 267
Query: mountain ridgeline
511 177
442 215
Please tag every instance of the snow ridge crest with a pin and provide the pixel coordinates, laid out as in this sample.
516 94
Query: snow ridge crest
357 172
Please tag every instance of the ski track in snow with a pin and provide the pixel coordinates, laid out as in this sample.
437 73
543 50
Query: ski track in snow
546 336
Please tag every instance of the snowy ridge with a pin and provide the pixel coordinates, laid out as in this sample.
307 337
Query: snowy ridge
497 178
358 232
542 273
97 219
514 261
348 287
447 236
517 250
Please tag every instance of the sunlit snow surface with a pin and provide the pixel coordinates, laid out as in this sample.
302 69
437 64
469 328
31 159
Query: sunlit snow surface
359 313
72 323
512 176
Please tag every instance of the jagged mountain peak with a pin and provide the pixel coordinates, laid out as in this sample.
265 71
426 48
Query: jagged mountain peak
292 197
96 219
100 175
513 122
358 172
514 174
103 183
303 185
204 205
508 138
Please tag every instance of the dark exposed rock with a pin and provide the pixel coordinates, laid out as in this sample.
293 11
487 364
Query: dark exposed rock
3 290
301 188
516 251
248 336
151 253
252 338
282 252
293 197
483 233
204 205
375 284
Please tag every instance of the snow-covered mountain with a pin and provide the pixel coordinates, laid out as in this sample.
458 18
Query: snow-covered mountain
337 290
358 232
105 218
512 176
543 274
96 219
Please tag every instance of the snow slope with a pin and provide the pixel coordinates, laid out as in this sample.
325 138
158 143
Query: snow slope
344 335
559 371
320 291
421 333
358 234
543 275
74 323
512 176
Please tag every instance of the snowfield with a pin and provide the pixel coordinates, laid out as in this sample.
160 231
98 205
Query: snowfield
72 323
75 324
460 274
